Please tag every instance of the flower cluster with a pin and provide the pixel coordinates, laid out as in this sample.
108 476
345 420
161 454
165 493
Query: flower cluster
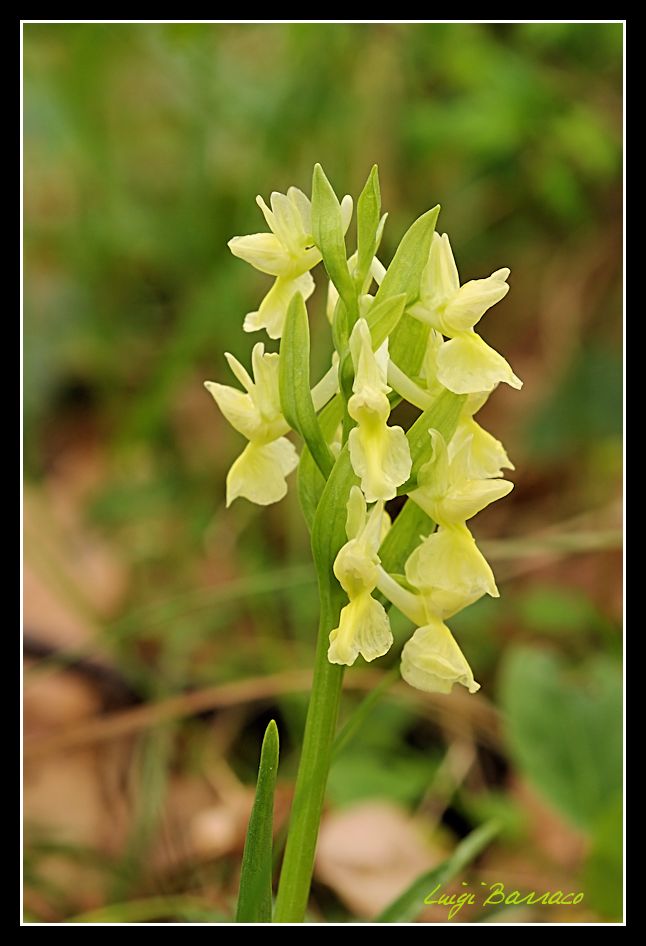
447 464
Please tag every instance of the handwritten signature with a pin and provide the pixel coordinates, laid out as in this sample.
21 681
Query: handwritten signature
496 895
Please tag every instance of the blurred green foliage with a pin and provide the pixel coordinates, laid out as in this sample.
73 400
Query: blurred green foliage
565 732
565 728
144 147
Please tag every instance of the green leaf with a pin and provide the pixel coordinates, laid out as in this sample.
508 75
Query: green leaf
310 479
407 529
402 776
564 729
407 345
328 532
368 213
407 906
408 341
327 228
405 270
294 383
383 317
254 900
340 331
603 871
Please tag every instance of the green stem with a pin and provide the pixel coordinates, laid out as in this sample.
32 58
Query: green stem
309 793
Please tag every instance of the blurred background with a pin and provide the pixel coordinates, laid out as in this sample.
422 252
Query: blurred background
162 632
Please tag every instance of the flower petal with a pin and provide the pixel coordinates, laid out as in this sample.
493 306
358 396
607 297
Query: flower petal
266 394
438 602
259 472
433 477
472 300
432 661
470 497
356 513
477 453
380 457
346 212
288 221
304 206
467 365
238 408
273 308
449 559
440 280
364 628
370 368
240 372
264 251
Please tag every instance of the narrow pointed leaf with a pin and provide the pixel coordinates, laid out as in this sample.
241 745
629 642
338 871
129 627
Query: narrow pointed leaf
327 227
254 900
405 271
408 341
383 317
368 214
410 904
410 525
294 383
310 479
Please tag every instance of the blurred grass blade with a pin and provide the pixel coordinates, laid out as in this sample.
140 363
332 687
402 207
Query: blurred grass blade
294 382
407 906
254 899
179 908
362 712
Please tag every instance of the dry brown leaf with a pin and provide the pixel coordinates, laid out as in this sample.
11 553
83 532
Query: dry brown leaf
370 853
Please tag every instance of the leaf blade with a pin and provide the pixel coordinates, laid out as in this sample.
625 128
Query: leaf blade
254 899
294 384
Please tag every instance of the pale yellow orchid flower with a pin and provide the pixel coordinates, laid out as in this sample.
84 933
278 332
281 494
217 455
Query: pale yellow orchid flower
379 454
432 661
288 253
482 455
447 492
259 472
364 627
449 561
465 364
